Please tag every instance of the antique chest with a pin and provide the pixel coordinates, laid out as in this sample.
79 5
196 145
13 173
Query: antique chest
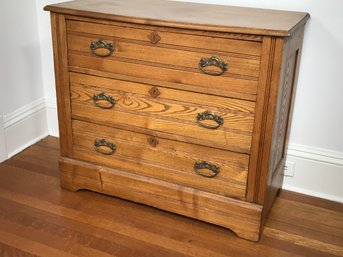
180 106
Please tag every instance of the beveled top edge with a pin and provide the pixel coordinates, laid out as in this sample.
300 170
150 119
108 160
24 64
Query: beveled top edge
220 18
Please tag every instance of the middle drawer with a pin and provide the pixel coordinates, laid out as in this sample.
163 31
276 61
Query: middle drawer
180 115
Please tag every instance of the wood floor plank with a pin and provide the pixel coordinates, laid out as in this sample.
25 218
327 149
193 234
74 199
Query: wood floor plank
313 217
193 247
50 142
311 200
38 218
295 249
30 246
9 251
70 235
303 241
310 233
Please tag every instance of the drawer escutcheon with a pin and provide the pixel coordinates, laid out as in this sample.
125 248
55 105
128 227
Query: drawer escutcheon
153 141
154 92
154 37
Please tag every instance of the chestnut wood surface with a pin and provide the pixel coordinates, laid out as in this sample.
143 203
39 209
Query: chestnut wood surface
205 100
145 50
135 107
168 160
189 15
175 85
185 77
59 39
241 217
167 37
184 58
157 107
38 218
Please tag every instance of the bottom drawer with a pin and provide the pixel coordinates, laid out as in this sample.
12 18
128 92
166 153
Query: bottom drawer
208 169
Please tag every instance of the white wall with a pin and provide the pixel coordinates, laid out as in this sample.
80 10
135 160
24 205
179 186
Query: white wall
47 63
22 97
21 75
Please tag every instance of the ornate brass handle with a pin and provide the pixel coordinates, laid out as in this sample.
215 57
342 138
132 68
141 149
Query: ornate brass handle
104 143
213 61
101 44
208 166
209 116
105 97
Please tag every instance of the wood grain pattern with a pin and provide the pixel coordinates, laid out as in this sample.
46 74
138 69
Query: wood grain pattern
62 81
159 92
184 58
277 83
284 95
239 86
190 88
189 15
38 218
162 107
169 160
228 35
157 114
240 107
185 132
205 206
268 52
168 38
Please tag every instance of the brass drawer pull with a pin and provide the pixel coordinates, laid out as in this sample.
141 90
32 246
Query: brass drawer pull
99 143
209 116
105 97
206 166
213 61
101 44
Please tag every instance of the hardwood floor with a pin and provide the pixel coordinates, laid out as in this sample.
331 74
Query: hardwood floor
38 218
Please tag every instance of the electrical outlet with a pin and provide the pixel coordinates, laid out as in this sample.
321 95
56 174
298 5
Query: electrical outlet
289 169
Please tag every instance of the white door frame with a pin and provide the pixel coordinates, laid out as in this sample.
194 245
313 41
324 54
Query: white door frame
3 151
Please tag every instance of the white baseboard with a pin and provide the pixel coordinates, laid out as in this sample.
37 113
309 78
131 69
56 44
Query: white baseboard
318 172
3 150
51 110
25 126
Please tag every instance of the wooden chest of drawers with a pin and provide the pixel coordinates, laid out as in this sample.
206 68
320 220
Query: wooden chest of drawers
179 106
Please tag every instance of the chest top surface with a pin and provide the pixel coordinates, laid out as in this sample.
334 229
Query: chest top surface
231 19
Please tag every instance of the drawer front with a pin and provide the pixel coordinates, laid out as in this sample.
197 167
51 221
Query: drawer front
187 116
209 169
125 31
243 66
219 63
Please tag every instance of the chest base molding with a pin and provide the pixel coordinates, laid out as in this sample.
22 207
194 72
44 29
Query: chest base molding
193 203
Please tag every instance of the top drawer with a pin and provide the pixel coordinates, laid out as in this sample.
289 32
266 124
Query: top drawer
167 55
211 42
